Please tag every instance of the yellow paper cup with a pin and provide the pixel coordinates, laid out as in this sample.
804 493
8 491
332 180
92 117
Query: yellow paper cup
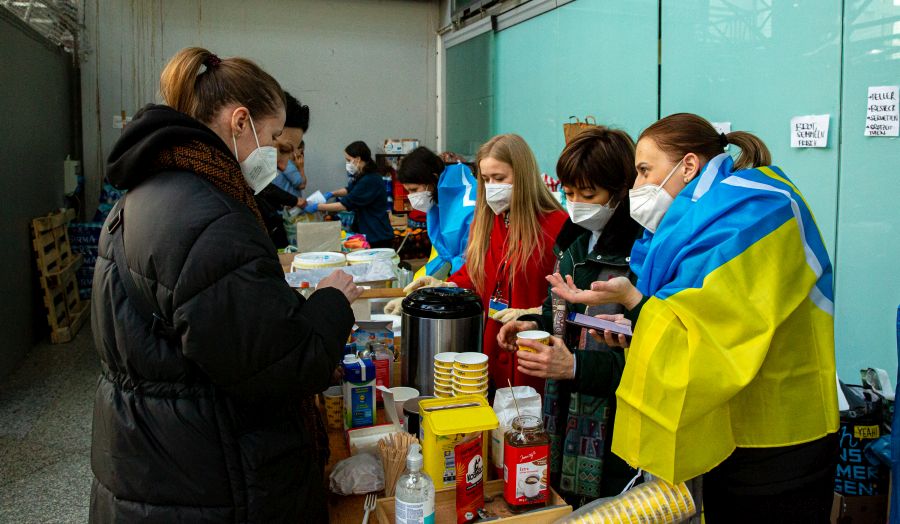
536 336
471 361
443 383
470 382
470 390
334 407
477 374
445 359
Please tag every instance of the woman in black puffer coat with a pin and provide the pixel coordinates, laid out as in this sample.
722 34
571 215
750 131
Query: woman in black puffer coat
208 357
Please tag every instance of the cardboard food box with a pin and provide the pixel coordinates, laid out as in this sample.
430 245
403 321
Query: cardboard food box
445 507
318 236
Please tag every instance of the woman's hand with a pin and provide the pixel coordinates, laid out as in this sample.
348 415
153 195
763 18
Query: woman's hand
608 337
426 281
554 361
343 283
618 290
506 338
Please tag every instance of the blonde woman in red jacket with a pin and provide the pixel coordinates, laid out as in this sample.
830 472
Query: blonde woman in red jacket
510 247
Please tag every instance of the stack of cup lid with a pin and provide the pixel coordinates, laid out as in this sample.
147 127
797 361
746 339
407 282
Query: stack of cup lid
443 374
470 374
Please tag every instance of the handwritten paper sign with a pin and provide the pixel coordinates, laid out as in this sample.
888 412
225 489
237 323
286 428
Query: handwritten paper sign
809 131
882 117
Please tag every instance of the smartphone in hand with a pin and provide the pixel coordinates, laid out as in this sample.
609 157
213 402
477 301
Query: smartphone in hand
598 324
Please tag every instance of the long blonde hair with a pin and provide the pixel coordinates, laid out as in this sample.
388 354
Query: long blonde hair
530 200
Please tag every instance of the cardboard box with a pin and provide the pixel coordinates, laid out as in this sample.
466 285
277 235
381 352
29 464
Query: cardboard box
858 509
445 507
319 236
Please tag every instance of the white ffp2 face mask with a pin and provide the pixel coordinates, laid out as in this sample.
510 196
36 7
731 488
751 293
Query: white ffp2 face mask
498 197
421 201
351 168
650 202
261 165
592 217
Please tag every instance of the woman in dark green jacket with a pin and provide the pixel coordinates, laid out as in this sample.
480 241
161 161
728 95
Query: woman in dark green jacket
596 170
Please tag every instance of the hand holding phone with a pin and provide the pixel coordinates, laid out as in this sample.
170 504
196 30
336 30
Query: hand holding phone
599 325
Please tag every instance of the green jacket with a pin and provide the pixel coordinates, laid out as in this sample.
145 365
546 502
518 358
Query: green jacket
579 413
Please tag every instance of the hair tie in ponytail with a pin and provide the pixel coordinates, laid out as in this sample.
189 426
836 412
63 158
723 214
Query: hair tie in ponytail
723 140
212 61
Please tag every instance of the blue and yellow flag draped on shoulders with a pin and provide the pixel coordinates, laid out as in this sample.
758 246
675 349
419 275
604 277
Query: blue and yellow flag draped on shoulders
449 221
735 346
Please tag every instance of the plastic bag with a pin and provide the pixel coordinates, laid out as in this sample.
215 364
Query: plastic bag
357 475
529 404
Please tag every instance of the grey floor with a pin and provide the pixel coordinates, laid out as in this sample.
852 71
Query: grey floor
45 434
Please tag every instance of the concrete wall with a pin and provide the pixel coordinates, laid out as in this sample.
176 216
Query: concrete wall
36 104
366 68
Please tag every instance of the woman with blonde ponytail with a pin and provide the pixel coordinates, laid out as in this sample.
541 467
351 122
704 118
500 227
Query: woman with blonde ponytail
731 371
510 246
209 360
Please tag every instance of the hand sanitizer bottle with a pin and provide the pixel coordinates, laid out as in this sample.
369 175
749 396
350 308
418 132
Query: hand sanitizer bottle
415 492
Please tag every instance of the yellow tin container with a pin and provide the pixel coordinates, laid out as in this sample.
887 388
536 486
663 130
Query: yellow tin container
445 423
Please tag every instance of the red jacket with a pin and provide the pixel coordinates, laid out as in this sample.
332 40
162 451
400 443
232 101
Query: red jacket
526 289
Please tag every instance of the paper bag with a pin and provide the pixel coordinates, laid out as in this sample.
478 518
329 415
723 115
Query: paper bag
529 401
318 236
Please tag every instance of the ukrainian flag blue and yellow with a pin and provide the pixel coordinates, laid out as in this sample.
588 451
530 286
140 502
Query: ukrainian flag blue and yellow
735 346
449 222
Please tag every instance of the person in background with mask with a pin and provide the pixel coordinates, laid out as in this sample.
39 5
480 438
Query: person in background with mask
291 146
277 195
365 196
446 193
731 371
510 247
596 171
208 359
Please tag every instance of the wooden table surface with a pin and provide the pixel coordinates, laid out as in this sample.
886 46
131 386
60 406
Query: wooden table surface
349 509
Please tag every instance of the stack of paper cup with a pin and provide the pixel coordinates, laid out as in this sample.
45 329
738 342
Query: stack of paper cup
443 374
656 502
470 374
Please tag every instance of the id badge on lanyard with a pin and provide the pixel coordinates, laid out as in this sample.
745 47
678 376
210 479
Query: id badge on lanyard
498 301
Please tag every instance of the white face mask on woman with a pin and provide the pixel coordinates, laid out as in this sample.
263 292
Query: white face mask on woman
352 169
261 165
421 201
592 217
650 202
498 197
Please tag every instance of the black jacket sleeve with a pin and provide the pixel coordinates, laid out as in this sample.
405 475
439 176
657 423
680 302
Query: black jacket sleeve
278 197
598 373
245 327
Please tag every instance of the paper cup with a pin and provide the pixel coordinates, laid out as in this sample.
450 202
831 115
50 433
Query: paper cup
471 361
442 383
470 374
537 336
334 407
470 389
445 360
470 382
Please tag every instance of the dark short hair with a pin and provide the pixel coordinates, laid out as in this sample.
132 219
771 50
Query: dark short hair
599 157
296 114
359 149
421 166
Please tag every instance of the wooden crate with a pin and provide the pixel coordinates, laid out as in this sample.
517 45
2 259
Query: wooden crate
57 266
445 507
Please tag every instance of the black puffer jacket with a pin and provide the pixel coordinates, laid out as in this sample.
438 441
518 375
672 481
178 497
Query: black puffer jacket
206 428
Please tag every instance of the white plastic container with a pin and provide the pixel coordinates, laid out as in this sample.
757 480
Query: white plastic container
318 259
367 256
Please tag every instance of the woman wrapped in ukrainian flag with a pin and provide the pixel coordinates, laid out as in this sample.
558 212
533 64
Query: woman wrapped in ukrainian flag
731 371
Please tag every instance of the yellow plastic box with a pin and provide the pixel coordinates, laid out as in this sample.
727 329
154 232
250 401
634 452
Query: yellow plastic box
447 422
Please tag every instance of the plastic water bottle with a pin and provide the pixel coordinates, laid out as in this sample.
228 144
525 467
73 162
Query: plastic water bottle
414 494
